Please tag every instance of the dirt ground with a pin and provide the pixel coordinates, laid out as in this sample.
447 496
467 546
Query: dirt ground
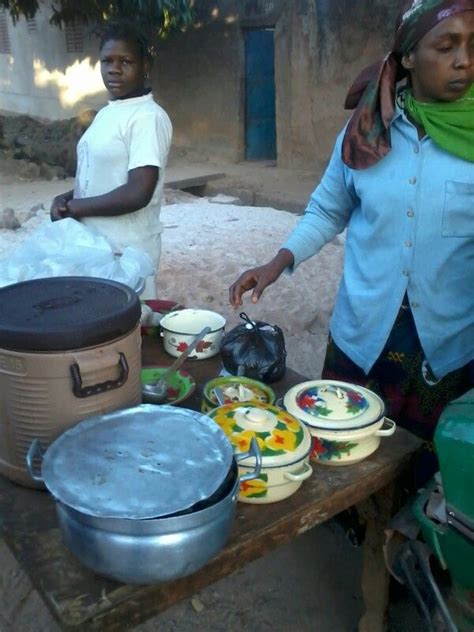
313 583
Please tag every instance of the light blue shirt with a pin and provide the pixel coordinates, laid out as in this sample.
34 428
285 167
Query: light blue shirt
410 221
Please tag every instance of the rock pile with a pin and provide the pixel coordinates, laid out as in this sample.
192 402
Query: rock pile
46 150
13 220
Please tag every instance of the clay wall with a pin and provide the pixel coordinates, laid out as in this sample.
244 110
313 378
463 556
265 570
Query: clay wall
320 45
199 75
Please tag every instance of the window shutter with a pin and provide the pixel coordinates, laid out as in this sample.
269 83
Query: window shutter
5 47
74 37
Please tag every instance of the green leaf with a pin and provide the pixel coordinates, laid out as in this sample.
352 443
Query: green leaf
161 16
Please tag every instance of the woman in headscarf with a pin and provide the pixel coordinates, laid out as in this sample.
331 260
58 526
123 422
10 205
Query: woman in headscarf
401 179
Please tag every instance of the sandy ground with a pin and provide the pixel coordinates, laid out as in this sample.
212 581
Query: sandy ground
311 584
205 246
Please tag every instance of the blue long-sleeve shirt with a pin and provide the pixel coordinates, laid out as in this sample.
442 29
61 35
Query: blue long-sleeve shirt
410 221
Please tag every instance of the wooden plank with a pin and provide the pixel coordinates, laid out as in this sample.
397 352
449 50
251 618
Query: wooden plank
377 511
79 599
189 177
76 596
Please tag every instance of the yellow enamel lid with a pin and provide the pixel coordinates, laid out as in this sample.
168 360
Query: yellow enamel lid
282 438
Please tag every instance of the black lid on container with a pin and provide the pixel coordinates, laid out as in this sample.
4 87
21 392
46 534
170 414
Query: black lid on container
64 313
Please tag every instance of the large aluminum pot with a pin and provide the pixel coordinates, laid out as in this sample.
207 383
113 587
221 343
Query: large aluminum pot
142 550
149 551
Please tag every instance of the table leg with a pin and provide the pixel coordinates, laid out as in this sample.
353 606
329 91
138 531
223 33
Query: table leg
376 510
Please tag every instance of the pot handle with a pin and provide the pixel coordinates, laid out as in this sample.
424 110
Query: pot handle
110 360
301 476
35 451
387 429
255 452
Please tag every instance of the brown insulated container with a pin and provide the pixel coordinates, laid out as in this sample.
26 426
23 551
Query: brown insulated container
70 348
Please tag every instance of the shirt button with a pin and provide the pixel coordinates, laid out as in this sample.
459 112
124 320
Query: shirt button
408 243
410 212
416 149
415 304
406 273
412 180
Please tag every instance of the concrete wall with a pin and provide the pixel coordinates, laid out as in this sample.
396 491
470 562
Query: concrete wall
199 75
320 47
41 78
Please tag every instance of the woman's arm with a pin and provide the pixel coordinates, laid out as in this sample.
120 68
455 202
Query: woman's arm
132 196
328 212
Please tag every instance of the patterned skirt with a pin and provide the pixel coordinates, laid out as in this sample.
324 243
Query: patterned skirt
402 377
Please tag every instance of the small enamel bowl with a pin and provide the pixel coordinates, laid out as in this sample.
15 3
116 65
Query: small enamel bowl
180 385
179 329
235 388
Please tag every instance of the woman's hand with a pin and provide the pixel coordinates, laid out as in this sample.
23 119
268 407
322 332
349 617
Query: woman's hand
259 278
59 209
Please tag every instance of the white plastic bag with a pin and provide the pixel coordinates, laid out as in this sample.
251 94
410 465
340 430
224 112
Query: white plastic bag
68 248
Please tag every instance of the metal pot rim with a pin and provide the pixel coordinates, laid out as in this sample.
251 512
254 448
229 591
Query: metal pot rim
119 465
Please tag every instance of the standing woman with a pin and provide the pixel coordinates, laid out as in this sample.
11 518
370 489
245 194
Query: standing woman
401 179
121 158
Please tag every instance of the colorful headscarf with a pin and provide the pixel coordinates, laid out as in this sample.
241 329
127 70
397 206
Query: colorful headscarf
372 95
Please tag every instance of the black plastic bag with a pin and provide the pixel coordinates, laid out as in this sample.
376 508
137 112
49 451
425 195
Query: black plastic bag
254 349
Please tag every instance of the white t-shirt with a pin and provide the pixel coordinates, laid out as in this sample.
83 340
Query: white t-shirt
124 135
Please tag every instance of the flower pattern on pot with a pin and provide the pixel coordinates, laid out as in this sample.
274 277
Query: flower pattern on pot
242 440
203 345
315 401
277 441
257 488
281 440
323 450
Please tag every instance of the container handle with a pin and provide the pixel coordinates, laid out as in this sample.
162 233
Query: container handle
35 451
255 452
387 429
102 387
300 476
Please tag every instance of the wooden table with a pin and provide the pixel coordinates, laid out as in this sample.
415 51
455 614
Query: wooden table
79 599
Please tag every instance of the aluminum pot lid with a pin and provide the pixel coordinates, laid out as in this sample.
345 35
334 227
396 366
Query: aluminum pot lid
334 405
142 462
281 437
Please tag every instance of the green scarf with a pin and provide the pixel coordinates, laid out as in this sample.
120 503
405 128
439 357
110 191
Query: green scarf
449 124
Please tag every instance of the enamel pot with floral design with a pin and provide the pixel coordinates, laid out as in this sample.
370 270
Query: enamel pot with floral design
285 445
346 421
179 328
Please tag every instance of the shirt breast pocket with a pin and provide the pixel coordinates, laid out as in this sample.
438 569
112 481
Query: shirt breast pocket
458 212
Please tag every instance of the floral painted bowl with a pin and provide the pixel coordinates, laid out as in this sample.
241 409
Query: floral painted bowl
179 328
284 442
235 389
180 385
346 421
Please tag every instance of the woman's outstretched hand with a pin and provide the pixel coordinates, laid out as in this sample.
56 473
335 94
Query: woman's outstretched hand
257 279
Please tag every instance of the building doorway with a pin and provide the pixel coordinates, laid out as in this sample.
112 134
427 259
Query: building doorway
260 123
